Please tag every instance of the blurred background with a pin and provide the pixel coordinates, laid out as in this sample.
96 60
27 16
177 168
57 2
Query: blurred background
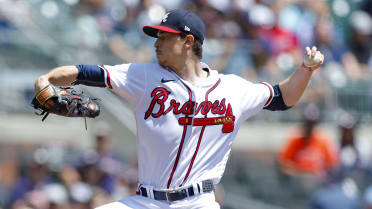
316 155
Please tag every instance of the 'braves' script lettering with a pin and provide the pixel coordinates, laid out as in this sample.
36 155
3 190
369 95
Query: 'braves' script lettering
160 96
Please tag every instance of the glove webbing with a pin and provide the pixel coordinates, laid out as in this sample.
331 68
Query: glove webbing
74 102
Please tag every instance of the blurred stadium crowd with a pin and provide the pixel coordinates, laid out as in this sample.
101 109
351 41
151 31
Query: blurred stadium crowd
257 39
60 176
261 40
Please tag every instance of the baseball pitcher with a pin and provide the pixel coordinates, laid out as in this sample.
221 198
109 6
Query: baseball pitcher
187 114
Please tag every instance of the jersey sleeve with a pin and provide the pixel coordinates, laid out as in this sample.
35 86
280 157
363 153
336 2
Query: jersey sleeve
127 80
254 96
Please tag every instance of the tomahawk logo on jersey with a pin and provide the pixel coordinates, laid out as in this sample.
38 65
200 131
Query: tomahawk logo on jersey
191 125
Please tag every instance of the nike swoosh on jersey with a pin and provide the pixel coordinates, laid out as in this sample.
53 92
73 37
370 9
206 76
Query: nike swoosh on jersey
165 81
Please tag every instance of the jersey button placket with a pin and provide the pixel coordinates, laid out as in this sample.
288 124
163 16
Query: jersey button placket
187 130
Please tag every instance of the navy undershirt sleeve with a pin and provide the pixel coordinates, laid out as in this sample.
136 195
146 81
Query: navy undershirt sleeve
277 102
90 75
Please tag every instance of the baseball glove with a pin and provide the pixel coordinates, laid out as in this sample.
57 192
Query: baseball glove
64 101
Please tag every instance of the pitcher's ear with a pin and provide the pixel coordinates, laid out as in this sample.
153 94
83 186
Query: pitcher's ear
189 39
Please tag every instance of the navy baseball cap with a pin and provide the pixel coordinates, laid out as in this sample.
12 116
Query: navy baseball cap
178 21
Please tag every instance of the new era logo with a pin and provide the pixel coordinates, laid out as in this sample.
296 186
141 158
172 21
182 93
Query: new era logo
165 17
186 28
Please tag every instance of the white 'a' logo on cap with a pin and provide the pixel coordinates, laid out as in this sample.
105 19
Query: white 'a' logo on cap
165 17
186 28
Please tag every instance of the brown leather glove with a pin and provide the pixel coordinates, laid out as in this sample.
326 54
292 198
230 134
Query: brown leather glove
64 101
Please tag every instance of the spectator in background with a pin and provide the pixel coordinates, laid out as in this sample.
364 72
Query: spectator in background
124 41
9 171
108 160
343 186
278 39
349 153
276 49
310 151
92 173
340 194
358 63
355 155
367 7
127 184
100 167
307 157
256 50
37 176
360 43
300 18
367 198
103 139
329 39
96 183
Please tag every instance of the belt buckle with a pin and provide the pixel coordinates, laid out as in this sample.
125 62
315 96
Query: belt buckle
170 192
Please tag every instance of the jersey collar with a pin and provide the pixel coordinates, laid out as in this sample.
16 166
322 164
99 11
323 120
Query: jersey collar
209 81
212 78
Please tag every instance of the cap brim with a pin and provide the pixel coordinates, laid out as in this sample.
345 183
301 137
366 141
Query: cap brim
152 30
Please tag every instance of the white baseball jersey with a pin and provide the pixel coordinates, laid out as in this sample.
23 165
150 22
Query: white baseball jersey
184 131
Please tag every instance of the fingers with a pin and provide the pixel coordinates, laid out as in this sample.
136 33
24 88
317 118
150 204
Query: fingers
40 83
311 52
313 58
321 59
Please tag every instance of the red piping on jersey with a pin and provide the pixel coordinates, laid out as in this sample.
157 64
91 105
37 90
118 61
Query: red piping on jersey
271 93
194 156
181 144
201 133
108 76
178 156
